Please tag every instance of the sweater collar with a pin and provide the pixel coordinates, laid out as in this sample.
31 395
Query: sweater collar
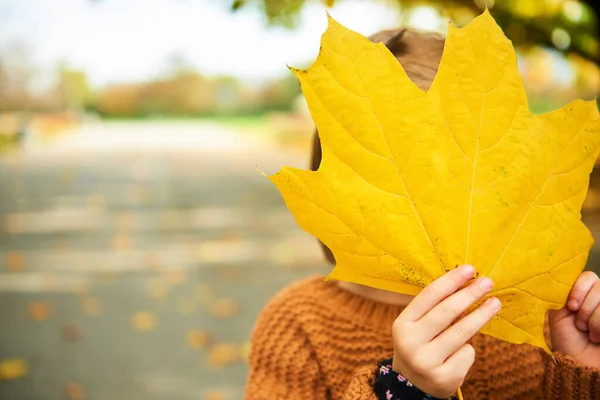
360 310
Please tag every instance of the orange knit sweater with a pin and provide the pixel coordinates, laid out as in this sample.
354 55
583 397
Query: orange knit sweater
317 341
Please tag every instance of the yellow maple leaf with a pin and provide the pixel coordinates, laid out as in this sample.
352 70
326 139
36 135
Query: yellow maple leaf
14 368
414 183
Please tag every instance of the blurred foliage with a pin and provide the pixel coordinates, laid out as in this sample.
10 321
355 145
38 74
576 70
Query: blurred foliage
189 94
567 25
181 91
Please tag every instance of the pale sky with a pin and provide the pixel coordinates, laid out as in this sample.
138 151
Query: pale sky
130 40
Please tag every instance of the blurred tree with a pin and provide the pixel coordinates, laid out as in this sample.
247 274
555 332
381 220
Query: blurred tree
119 100
281 94
570 26
74 88
16 77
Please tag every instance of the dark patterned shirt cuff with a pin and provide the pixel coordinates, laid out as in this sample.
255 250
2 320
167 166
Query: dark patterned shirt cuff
390 385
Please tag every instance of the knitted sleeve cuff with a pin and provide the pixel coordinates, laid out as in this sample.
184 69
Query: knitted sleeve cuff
390 385
565 378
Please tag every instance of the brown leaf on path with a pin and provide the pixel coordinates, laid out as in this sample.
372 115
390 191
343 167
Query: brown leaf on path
72 332
74 391
40 310
198 339
12 369
92 306
15 261
225 308
143 321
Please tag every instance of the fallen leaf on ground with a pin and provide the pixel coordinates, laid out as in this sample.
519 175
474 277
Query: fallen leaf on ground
214 395
12 369
40 310
72 332
223 354
15 261
198 339
413 183
143 321
225 308
74 391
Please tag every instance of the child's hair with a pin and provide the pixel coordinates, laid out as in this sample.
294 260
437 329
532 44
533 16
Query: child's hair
419 53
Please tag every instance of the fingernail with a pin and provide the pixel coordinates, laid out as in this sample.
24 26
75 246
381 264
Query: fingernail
485 283
468 270
494 303
573 305
582 326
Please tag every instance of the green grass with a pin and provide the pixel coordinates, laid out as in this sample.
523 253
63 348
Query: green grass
249 124
246 123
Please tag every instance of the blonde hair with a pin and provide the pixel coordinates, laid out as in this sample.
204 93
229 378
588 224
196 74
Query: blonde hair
419 53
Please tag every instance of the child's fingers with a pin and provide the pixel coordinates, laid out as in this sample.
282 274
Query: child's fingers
589 305
443 314
437 291
580 290
458 334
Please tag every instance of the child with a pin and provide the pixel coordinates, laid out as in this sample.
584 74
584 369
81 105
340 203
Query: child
330 340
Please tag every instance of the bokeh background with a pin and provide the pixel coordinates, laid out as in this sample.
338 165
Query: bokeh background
138 240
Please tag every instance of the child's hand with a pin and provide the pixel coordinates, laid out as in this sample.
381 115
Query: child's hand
575 329
430 352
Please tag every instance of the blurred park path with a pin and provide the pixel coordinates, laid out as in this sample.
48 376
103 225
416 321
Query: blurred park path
135 257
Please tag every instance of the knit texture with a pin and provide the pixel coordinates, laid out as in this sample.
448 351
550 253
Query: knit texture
315 340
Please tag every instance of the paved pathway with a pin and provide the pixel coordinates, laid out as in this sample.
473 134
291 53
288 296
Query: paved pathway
134 259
